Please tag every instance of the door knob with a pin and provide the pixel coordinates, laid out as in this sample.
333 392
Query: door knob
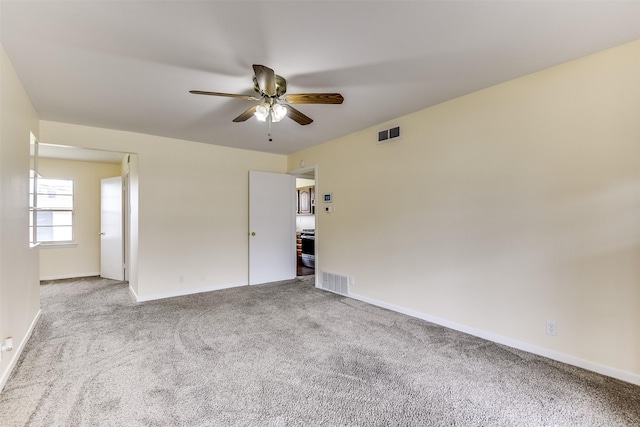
253 233
101 234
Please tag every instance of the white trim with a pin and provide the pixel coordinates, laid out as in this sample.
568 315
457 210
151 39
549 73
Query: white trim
16 352
133 293
629 377
57 245
70 276
303 170
183 292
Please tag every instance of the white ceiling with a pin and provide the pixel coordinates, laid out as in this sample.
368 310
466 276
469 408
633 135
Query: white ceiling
129 65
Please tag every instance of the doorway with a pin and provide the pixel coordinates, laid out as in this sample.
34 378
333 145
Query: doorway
305 221
82 257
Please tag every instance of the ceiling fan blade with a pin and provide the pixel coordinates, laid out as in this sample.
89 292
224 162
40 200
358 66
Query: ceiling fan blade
266 79
246 115
314 98
297 116
230 95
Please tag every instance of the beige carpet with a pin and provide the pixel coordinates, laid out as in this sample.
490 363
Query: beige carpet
283 355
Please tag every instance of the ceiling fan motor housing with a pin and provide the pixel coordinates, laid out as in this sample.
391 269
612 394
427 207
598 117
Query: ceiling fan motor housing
281 87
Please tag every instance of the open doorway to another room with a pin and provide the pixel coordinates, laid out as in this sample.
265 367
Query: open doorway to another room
305 222
80 252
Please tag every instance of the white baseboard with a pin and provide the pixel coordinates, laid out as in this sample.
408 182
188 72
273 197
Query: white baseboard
626 376
16 352
133 293
183 292
69 276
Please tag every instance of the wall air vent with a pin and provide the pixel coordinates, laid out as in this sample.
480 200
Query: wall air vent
335 283
389 135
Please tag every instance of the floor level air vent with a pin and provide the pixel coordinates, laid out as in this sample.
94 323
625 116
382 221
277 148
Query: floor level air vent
335 283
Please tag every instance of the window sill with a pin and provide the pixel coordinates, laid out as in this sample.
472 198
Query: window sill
34 245
44 245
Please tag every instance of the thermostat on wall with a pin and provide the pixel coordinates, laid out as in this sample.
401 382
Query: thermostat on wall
327 198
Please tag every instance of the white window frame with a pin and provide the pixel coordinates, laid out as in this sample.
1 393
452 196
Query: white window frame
37 209
34 209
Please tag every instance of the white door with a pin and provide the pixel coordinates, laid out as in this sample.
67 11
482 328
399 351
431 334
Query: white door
272 227
111 248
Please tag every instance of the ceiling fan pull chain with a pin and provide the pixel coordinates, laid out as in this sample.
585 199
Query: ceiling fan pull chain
269 134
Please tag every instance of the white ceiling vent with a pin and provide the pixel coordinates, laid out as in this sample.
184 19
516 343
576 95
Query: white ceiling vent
389 135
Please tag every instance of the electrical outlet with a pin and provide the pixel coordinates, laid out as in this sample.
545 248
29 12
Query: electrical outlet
181 280
552 327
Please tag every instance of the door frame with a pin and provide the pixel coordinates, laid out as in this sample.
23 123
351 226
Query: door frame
300 173
126 218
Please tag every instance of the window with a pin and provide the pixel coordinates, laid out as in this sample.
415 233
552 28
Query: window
51 219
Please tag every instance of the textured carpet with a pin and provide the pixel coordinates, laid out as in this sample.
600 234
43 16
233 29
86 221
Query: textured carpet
283 354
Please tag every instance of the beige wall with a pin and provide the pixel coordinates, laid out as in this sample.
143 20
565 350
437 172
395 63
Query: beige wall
19 287
494 212
83 259
192 231
502 209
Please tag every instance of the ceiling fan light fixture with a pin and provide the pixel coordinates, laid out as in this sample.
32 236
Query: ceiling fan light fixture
278 112
262 112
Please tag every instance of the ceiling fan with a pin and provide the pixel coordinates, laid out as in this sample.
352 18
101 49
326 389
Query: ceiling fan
272 88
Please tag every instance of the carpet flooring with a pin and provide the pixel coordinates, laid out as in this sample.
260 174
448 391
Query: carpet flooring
284 354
